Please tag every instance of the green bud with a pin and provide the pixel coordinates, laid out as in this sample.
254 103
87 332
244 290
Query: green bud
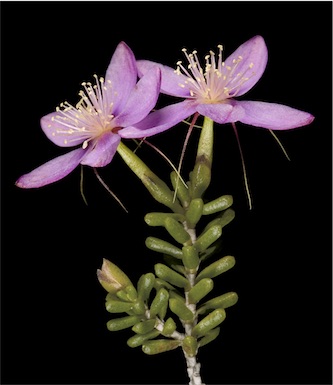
139 339
169 275
122 323
180 309
209 337
200 290
169 327
159 304
114 306
194 212
164 247
209 322
182 191
223 301
217 268
112 278
190 258
208 237
190 346
158 219
177 231
144 327
160 346
219 204
145 285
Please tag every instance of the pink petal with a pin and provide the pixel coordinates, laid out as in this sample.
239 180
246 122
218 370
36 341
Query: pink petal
170 80
253 52
142 99
122 73
51 171
102 150
60 134
273 116
160 120
221 112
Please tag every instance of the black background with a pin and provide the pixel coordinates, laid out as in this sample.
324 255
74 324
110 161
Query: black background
53 315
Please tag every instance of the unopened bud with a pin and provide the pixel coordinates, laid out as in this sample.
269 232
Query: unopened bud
112 278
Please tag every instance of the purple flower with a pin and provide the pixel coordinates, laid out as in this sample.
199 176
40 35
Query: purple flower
211 91
97 122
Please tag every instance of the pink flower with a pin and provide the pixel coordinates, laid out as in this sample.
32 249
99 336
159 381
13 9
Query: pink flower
211 91
96 123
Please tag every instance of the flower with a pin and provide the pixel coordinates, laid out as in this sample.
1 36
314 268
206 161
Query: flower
211 91
97 122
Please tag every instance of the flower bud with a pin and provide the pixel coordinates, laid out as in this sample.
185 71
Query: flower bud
112 278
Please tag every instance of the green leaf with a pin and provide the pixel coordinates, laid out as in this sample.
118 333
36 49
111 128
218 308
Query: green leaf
194 212
177 231
200 290
190 346
159 304
219 204
180 309
114 306
164 247
158 219
209 322
144 327
223 301
209 337
217 268
122 323
139 339
181 191
169 327
160 346
191 258
169 275
145 285
208 237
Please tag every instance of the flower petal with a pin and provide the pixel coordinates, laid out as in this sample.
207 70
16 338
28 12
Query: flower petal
221 112
142 99
51 171
273 116
122 73
101 151
253 52
170 84
59 133
160 120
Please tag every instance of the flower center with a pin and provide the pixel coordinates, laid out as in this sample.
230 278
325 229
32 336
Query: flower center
91 117
217 82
